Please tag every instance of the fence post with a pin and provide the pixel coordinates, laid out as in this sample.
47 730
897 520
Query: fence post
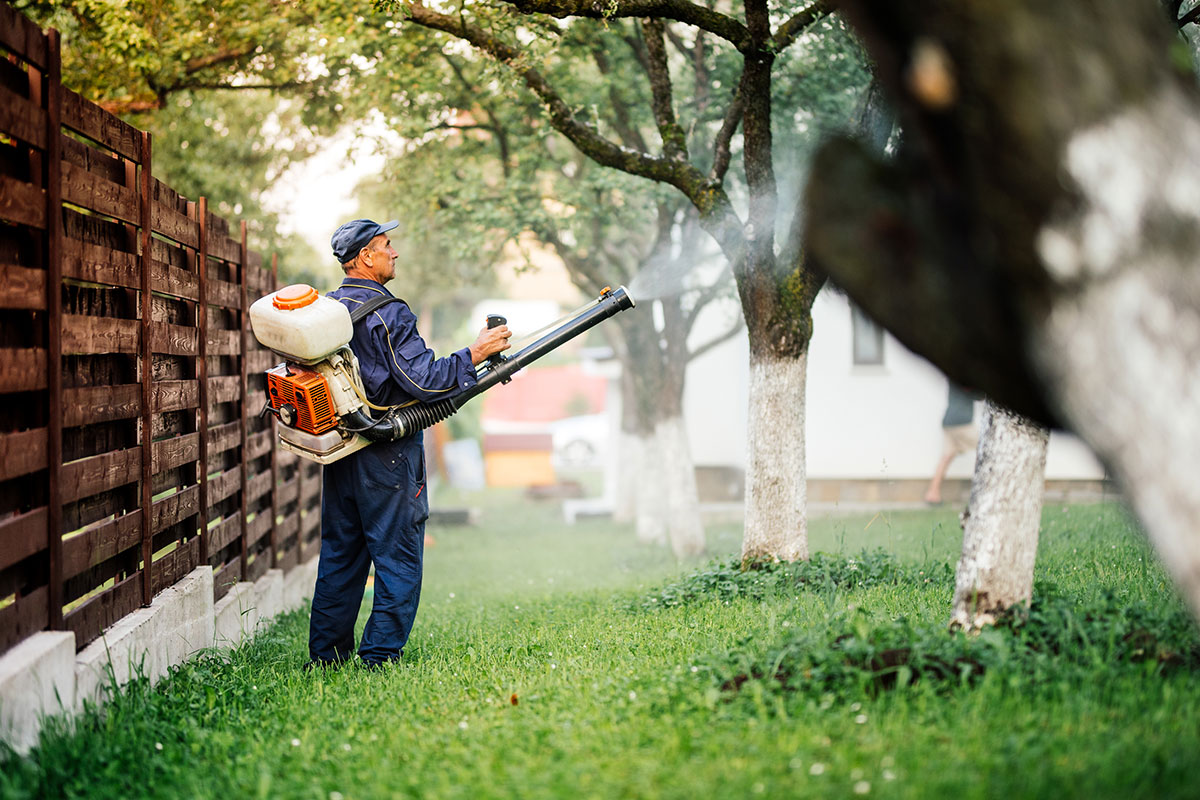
145 220
54 231
202 370
243 324
275 449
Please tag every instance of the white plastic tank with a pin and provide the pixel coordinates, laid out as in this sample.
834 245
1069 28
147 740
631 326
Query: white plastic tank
300 324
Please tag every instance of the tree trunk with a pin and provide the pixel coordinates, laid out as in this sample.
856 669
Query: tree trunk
1038 234
651 515
1000 526
685 530
776 491
629 461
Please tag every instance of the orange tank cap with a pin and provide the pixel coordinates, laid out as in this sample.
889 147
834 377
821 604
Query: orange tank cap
298 295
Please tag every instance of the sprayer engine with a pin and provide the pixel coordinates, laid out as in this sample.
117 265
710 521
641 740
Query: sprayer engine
317 393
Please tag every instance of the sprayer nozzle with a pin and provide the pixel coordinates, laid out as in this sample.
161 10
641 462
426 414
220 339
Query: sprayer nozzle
628 296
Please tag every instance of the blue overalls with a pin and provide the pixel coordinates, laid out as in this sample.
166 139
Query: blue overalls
374 504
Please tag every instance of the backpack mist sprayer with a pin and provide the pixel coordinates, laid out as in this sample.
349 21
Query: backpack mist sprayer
317 393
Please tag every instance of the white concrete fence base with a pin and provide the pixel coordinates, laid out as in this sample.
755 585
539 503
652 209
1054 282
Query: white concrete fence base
43 676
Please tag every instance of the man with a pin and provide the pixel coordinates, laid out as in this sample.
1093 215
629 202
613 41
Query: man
375 505
959 435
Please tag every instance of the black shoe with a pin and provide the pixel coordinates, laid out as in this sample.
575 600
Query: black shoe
379 666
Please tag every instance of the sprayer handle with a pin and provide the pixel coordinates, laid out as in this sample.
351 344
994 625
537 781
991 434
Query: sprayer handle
495 360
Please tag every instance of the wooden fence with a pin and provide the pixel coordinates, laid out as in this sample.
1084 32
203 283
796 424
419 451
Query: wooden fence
131 449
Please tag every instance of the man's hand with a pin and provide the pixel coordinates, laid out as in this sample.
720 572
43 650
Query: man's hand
489 342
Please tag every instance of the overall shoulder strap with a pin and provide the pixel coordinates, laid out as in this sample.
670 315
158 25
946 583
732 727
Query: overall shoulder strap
364 310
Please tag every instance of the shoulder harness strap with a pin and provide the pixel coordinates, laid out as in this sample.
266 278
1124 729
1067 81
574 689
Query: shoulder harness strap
366 309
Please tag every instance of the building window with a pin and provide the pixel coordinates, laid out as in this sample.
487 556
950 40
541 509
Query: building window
868 337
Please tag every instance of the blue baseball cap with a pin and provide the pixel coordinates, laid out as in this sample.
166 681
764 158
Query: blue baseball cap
356 234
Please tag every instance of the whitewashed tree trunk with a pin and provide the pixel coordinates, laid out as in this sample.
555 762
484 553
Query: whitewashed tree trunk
776 489
651 514
1000 525
685 530
1121 353
630 462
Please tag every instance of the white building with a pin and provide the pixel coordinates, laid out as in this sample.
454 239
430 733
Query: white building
874 411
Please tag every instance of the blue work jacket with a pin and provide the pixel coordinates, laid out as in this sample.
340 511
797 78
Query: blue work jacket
395 363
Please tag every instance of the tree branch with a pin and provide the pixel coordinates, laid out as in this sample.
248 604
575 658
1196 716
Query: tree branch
790 30
707 19
734 330
716 211
1191 16
673 139
219 57
724 137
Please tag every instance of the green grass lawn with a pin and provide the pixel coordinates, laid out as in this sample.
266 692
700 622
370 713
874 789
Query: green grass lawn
550 661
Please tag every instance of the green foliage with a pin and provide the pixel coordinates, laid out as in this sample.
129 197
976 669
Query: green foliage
1054 641
612 701
725 580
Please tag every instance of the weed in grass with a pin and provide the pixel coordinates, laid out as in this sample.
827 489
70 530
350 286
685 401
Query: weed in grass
1053 640
724 580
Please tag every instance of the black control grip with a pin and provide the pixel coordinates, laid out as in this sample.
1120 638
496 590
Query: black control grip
495 321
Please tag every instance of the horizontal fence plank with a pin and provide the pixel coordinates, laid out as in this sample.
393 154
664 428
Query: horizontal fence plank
257 486
22 536
84 335
223 437
22 369
223 293
287 527
174 452
22 119
97 544
174 225
98 264
224 389
287 492
93 159
224 343
98 125
226 577
175 508
260 360
89 620
27 615
310 521
175 340
91 191
224 485
22 202
22 287
94 474
94 404
175 395
258 527
22 36
258 566
220 536
170 567
23 452
259 444
174 281
224 248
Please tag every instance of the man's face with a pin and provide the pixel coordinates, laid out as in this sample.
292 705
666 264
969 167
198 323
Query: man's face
380 258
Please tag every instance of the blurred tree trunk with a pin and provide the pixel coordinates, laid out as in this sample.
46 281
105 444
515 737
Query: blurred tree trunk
1000 525
1038 235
